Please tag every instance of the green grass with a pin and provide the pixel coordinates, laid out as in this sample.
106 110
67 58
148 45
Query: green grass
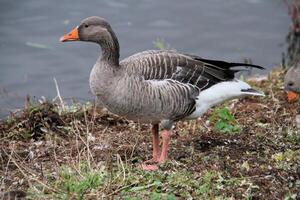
293 136
224 121
76 185
71 183
88 183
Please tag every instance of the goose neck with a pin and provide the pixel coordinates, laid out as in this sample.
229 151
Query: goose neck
110 49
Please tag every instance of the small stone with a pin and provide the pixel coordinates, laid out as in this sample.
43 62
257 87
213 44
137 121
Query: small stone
245 166
39 143
298 121
31 155
90 137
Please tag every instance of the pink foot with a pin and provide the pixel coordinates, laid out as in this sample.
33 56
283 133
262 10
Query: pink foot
149 167
159 156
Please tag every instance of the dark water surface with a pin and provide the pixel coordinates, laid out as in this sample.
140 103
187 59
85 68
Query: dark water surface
31 55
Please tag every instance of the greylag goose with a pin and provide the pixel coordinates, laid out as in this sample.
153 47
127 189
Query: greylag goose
156 86
292 82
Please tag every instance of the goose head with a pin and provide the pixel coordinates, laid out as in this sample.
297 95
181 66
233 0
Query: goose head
98 30
91 29
292 82
292 79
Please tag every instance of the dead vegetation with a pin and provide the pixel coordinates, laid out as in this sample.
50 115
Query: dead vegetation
92 154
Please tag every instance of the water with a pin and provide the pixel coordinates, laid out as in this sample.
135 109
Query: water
31 55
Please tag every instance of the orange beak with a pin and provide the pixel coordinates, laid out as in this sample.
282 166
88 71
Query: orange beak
292 96
71 36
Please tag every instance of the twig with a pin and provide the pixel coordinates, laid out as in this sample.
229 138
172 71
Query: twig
27 102
122 188
122 165
89 155
6 168
54 152
85 142
93 118
133 148
58 94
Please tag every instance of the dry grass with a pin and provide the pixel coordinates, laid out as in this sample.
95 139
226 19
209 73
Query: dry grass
92 154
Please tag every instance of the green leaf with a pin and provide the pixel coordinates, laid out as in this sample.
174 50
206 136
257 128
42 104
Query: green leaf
138 188
155 196
171 197
220 125
224 121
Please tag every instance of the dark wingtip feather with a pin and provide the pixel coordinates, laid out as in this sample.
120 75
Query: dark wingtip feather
223 64
245 64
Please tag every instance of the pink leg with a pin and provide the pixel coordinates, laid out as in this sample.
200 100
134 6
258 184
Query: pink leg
164 153
165 145
155 135
148 165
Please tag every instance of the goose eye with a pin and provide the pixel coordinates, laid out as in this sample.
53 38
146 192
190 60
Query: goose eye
86 25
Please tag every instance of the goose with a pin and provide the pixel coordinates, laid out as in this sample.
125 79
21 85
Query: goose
292 82
159 87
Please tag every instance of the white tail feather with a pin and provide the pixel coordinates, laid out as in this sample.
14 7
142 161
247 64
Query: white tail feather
221 92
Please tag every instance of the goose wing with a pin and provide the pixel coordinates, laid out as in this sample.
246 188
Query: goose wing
172 81
167 64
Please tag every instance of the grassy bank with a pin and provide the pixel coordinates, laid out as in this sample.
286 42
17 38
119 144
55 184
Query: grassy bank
81 152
